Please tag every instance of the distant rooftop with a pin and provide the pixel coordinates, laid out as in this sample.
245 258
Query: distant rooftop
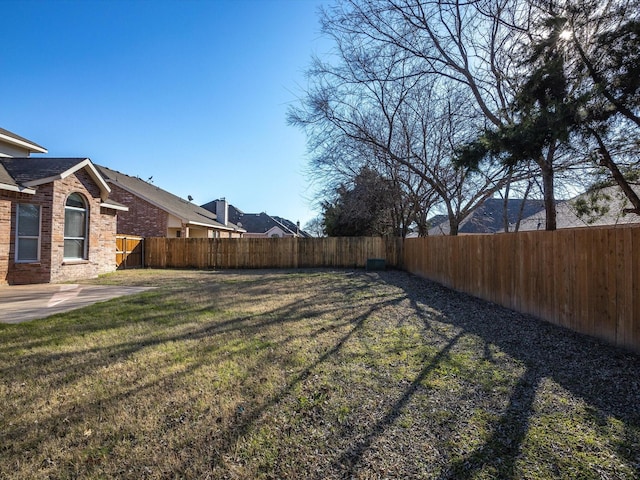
489 217
165 200
16 140
259 222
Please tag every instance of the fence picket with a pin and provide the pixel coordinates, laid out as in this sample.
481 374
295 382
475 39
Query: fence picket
585 279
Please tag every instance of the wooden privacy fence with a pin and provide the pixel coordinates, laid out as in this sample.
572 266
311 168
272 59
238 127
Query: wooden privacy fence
129 251
584 279
225 253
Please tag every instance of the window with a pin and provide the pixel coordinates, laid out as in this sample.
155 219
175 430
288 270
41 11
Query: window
75 228
27 233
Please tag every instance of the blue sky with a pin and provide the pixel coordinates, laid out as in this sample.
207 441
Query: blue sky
192 93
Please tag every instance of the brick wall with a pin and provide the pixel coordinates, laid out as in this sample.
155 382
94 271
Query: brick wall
5 238
37 272
101 241
52 266
106 248
143 219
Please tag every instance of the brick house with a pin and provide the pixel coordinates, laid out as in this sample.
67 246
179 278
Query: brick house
257 225
56 220
154 212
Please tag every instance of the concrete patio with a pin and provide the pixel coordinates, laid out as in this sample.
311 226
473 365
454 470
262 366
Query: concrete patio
19 303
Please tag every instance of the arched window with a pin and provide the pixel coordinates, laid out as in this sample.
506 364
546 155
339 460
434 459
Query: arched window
75 227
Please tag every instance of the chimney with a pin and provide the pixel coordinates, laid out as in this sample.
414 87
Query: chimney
222 211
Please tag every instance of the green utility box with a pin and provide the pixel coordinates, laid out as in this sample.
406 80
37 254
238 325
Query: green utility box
376 264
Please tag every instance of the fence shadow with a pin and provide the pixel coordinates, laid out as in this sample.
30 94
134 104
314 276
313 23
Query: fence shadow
603 376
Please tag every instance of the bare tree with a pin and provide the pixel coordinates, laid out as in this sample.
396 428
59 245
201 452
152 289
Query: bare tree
477 45
382 97
314 227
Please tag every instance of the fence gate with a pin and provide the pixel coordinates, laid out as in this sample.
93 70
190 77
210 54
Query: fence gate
129 251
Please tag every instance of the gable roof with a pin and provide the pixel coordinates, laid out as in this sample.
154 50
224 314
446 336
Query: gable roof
186 211
437 220
488 217
7 182
258 222
32 172
292 227
26 173
11 138
234 213
610 200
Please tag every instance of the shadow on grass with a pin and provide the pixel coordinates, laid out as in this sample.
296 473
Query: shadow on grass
604 377
353 455
58 369
242 428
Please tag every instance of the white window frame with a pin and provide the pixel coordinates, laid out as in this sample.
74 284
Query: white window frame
85 245
19 237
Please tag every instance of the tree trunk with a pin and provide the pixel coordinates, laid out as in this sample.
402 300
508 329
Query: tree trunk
505 203
607 162
453 226
546 166
522 205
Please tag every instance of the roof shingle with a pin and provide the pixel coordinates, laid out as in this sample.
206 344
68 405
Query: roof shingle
25 170
179 207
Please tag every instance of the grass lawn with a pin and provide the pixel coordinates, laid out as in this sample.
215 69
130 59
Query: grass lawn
310 374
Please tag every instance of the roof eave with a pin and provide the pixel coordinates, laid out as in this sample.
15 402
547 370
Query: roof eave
86 163
164 208
32 147
113 206
17 188
200 224
217 226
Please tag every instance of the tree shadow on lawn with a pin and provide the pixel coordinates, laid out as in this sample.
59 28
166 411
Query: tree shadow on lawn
250 418
55 366
605 377
153 309
142 307
63 368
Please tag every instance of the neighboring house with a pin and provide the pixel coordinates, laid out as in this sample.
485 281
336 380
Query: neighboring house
154 212
294 228
12 145
57 222
257 225
602 208
435 221
489 217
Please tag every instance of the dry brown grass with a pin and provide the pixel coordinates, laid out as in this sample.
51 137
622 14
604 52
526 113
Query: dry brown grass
317 374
